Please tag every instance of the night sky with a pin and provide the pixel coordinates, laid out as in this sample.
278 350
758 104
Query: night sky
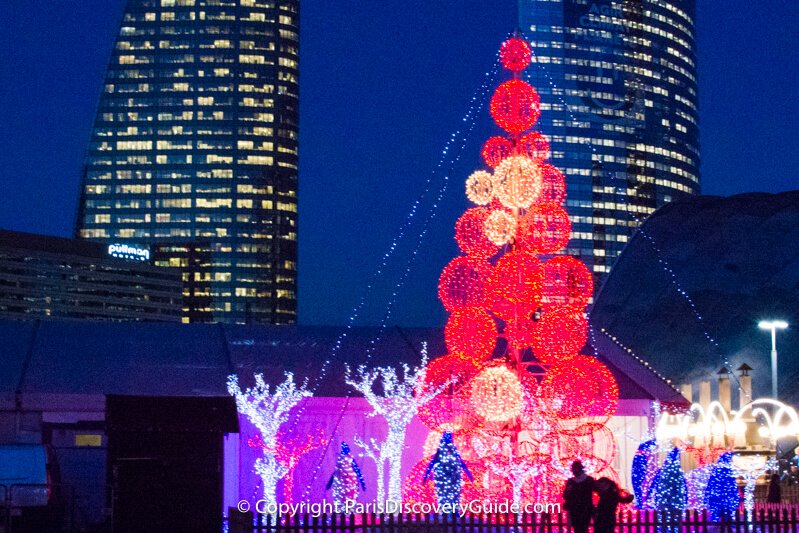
384 84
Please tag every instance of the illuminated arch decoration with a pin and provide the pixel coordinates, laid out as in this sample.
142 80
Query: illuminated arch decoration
515 309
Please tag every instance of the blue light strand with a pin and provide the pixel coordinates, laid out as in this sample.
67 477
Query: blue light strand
664 264
477 103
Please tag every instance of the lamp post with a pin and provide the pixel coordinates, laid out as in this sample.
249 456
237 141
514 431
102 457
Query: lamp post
773 325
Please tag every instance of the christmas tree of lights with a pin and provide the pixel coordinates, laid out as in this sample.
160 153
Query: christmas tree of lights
671 491
448 468
346 479
398 404
644 468
268 410
514 369
721 494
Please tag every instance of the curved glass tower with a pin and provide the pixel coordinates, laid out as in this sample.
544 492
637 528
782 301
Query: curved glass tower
618 89
194 151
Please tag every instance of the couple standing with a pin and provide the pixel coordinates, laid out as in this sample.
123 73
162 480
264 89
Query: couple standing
578 501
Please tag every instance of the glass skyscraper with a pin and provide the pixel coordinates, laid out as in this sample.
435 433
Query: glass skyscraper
619 105
194 151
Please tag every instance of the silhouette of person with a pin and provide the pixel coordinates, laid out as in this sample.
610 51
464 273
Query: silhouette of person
578 498
774 494
610 496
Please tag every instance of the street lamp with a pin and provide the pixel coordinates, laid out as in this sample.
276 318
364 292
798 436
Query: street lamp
773 325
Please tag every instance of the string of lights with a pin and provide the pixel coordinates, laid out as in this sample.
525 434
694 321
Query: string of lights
476 104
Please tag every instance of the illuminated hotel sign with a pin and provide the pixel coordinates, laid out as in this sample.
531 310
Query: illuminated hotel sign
123 251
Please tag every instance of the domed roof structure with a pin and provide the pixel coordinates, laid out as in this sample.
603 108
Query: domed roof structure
692 284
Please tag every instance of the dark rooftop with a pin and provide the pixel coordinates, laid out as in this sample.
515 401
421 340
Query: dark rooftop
81 357
737 260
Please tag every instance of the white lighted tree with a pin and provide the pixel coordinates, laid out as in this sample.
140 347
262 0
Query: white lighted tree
398 404
376 452
268 409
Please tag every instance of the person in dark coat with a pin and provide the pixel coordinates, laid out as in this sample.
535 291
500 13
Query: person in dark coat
610 496
578 498
774 494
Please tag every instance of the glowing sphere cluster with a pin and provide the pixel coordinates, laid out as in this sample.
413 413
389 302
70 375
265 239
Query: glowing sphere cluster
517 329
535 146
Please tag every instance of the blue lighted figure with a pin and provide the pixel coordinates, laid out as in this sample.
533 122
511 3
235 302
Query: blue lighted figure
721 495
671 492
643 472
446 466
346 478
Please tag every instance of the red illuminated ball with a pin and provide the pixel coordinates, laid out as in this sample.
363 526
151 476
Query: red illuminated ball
567 282
559 334
553 185
463 283
581 389
534 145
544 229
470 234
471 333
515 106
517 277
451 409
495 150
515 54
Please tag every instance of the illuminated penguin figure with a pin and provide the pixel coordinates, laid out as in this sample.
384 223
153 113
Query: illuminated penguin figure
346 478
447 466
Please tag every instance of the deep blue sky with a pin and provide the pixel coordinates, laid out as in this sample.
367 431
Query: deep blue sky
384 85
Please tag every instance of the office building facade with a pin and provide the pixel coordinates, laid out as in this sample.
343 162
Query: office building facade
42 276
194 151
619 105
